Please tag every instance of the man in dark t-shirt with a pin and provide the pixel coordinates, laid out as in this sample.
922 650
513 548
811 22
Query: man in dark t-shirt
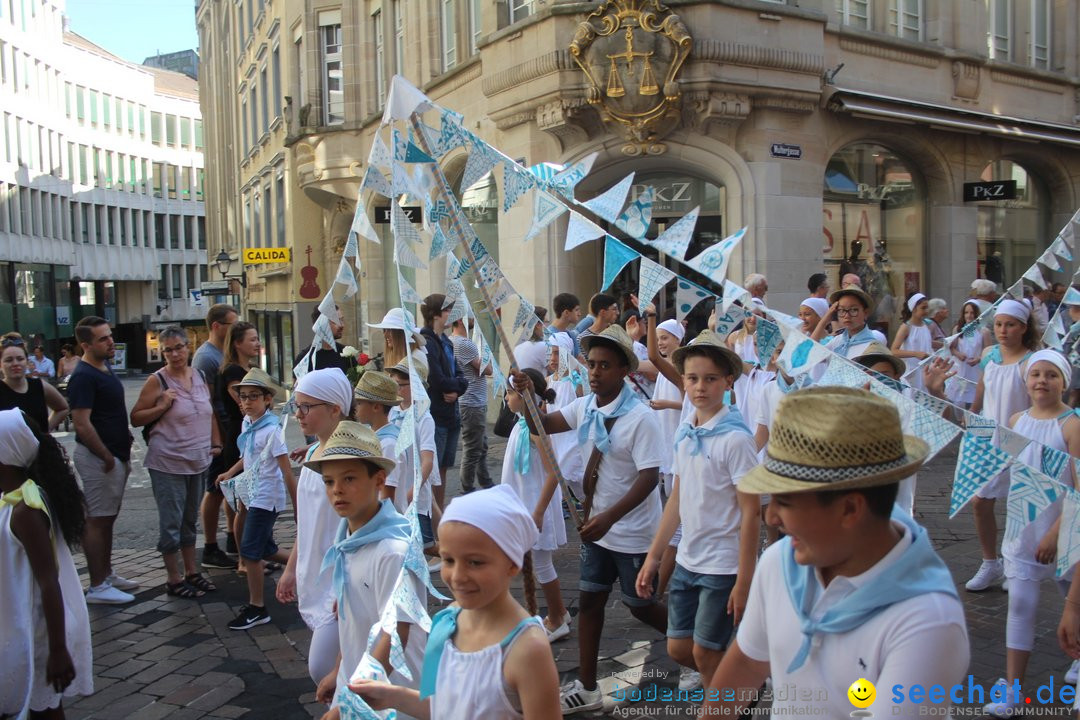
102 455
327 357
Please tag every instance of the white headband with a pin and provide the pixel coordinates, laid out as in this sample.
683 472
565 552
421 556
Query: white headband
1055 358
1012 308
914 300
674 327
820 306
18 446
329 385
499 513
562 341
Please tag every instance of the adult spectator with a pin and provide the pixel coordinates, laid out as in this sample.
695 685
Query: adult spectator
473 408
32 395
605 313
818 285
43 367
1057 294
68 361
326 356
567 310
939 315
446 383
850 280
207 360
756 285
175 405
1040 313
102 455
400 337
533 351
584 323
984 293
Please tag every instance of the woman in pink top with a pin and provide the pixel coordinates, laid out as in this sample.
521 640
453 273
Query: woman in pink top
182 435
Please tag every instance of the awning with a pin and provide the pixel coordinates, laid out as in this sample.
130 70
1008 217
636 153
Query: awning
944 117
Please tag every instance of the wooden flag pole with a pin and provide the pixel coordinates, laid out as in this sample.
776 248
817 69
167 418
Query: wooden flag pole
468 237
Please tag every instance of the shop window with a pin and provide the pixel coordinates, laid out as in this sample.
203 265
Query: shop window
1010 234
33 286
333 80
873 224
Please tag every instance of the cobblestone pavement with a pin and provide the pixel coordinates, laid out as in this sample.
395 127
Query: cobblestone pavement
168 658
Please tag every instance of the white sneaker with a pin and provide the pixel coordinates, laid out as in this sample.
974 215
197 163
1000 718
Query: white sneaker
689 679
561 631
121 583
1073 673
1010 706
106 594
434 565
574 698
991 572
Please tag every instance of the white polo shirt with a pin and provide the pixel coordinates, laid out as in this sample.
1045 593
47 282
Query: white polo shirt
402 476
269 491
921 640
635 445
708 501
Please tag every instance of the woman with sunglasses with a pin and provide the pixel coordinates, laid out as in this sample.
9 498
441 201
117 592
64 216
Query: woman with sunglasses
36 398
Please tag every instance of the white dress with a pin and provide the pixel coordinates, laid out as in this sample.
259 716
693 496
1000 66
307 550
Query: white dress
316 526
748 391
565 445
668 421
24 641
1004 395
528 486
972 347
918 339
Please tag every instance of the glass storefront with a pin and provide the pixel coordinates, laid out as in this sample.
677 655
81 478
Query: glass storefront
276 338
873 224
1010 234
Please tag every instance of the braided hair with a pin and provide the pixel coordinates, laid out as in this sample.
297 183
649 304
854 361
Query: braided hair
51 471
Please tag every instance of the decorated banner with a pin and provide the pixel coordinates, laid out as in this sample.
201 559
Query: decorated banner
545 209
1068 546
1059 248
637 217
652 277
978 463
580 231
768 339
1030 493
674 241
609 203
712 262
616 257
516 182
688 296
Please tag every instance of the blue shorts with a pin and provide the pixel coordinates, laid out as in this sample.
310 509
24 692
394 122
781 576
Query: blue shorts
427 534
600 568
697 606
258 541
446 442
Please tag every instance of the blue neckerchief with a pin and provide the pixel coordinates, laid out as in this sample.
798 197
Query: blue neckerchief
917 571
386 525
592 425
396 416
860 338
389 431
798 384
523 449
732 421
994 356
246 440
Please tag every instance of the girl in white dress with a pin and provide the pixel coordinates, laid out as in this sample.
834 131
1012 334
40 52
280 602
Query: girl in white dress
1030 556
913 342
45 644
568 387
1000 394
486 657
327 397
967 351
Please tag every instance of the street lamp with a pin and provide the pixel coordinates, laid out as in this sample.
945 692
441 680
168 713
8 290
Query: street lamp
224 262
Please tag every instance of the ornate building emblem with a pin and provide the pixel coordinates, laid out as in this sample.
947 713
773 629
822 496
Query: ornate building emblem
632 51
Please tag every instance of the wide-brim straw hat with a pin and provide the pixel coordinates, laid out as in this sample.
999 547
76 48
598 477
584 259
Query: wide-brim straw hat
834 438
257 378
352 441
377 387
616 338
401 319
876 352
714 344
854 291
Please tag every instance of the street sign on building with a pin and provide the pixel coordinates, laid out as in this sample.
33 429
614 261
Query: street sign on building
196 297
259 256
786 150
215 287
993 190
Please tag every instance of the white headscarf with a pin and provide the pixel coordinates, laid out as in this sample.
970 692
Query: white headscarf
18 446
329 385
1055 358
914 300
820 306
497 512
674 327
1019 310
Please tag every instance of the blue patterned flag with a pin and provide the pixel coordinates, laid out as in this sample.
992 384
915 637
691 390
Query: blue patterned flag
379 155
674 241
375 181
580 231
609 203
768 339
616 257
727 322
1059 248
407 292
402 226
733 292
637 217
526 311
1048 259
516 181
1030 492
688 296
651 279
545 209
1053 461
1068 546
346 277
978 463
713 261
413 154
566 180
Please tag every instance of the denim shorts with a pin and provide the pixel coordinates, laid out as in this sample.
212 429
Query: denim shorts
217 466
446 442
258 542
600 568
697 606
427 534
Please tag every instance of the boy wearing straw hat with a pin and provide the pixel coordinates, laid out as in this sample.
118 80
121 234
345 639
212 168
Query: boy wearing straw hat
622 503
853 592
366 560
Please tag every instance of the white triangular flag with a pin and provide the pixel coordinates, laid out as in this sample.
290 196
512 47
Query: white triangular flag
713 261
346 277
676 239
1035 275
1048 259
404 255
651 279
580 231
733 292
408 292
403 100
609 204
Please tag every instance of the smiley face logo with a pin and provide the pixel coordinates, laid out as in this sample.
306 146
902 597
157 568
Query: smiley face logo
862 693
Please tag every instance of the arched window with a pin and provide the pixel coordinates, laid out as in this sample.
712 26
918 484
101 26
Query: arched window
1010 234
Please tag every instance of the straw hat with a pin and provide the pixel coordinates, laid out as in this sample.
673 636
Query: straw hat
257 378
352 441
616 338
854 291
815 444
876 352
377 387
403 367
707 339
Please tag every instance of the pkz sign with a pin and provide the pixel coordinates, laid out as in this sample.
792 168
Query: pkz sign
414 213
993 190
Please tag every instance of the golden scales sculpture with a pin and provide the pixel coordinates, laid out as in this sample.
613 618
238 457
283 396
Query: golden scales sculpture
648 84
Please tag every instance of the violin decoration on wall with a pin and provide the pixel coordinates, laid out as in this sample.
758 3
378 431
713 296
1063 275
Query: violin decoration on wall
309 290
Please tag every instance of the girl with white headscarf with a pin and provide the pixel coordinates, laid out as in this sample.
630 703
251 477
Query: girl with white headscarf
46 648
323 399
913 342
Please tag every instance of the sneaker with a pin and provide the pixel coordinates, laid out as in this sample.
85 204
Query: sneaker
216 558
121 583
1010 706
106 594
1073 673
991 572
689 679
249 617
434 565
230 544
561 631
574 698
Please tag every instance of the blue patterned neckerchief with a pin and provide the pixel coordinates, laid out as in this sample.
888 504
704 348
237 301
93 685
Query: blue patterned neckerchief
592 425
246 441
387 524
860 338
730 421
523 449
